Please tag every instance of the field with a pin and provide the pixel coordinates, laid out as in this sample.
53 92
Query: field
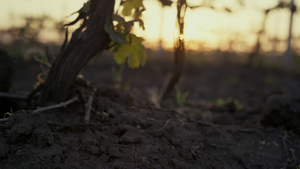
234 116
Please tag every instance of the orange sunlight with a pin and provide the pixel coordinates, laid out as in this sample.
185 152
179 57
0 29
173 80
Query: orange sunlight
204 28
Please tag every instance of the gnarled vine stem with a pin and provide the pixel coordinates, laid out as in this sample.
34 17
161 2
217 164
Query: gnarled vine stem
179 51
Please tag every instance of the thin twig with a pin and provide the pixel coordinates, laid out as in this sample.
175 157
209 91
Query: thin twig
72 124
166 124
88 109
41 109
62 104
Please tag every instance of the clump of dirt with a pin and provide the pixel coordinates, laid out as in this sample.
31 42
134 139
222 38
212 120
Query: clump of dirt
283 110
123 135
127 131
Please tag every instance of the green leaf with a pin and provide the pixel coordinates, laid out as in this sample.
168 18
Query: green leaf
238 105
133 51
130 5
113 35
220 102
122 27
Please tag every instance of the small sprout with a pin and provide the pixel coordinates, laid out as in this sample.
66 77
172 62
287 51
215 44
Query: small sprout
181 97
234 80
117 75
223 102
271 80
238 105
127 85
220 102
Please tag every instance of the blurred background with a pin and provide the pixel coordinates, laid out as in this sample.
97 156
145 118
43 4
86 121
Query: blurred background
252 32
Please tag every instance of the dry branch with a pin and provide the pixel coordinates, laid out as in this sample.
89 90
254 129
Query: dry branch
62 104
4 119
41 109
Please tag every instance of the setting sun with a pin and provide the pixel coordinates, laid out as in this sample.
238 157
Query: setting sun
205 28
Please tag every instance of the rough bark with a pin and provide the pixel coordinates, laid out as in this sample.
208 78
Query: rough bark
87 41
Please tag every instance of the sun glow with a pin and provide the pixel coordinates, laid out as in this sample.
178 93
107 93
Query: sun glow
204 27
181 37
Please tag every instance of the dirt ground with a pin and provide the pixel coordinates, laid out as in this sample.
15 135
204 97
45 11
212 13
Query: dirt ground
235 117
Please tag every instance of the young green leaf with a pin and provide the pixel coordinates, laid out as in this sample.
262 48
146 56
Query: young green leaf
114 36
130 5
133 51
